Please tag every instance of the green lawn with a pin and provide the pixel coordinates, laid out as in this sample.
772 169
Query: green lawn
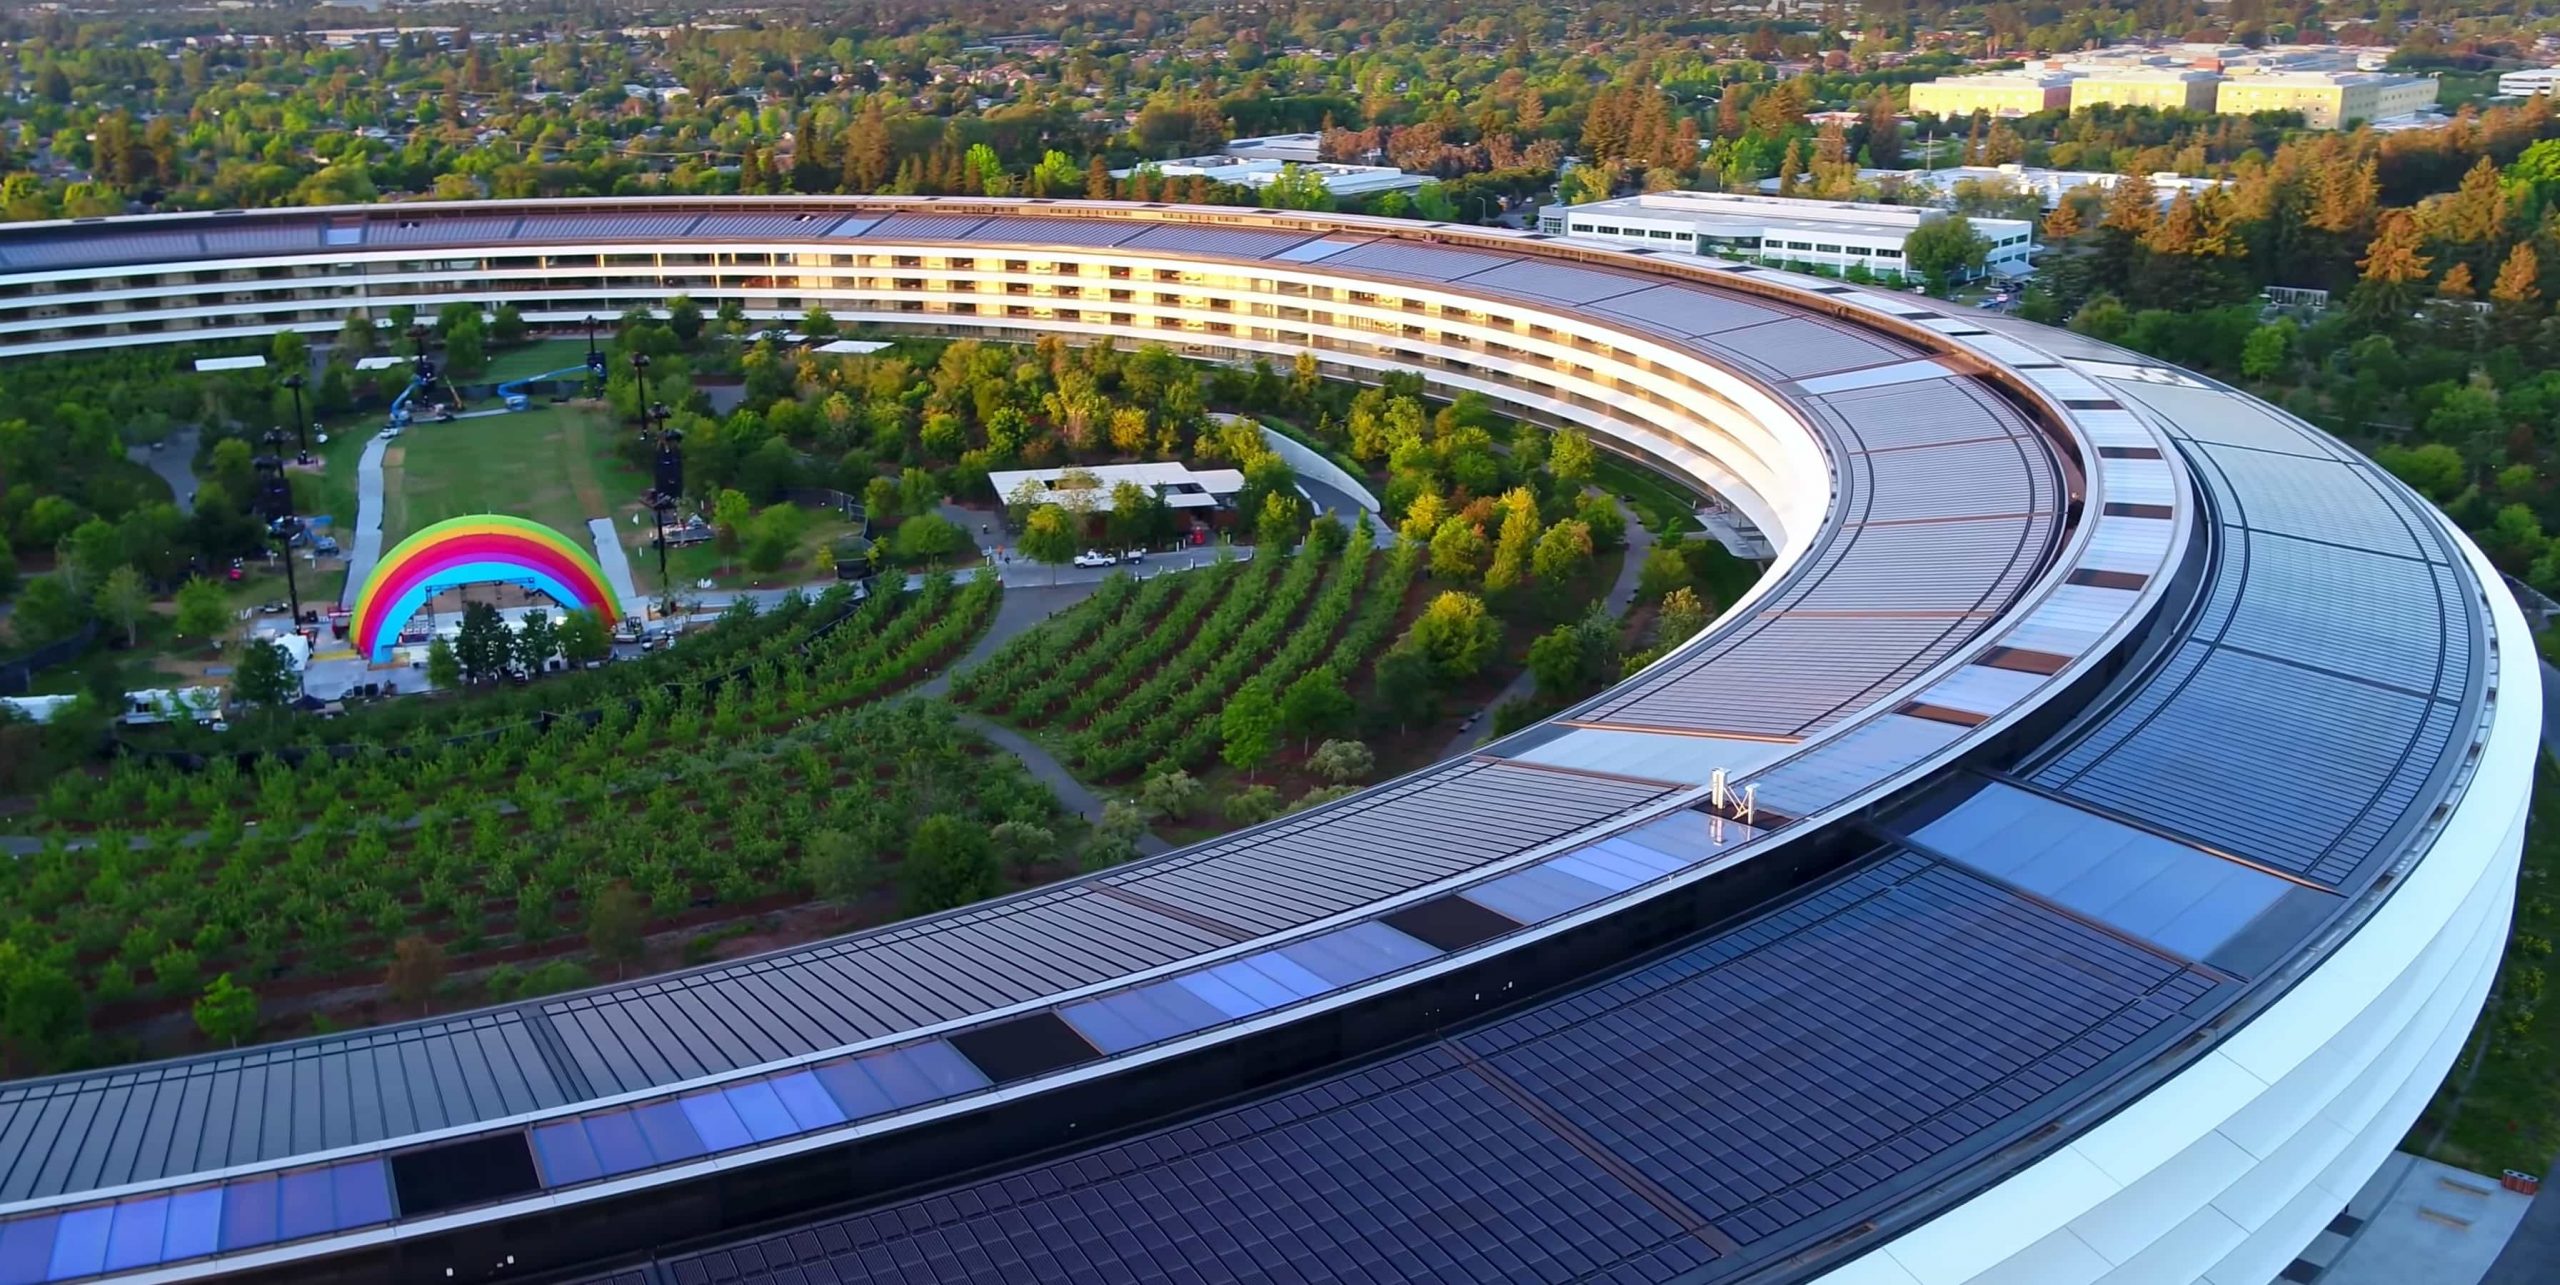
535 358
1665 508
551 465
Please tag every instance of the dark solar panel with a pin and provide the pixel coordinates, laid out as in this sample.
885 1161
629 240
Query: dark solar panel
474 1171
1451 923
1024 1047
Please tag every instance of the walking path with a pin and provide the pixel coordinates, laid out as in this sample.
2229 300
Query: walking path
1622 594
175 462
366 548
1050 772
616 563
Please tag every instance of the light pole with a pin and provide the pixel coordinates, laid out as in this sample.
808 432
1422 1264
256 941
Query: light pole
301 422
666 484
275 502
595 361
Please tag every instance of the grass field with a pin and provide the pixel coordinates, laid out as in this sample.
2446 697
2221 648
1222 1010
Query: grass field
536 358
550 465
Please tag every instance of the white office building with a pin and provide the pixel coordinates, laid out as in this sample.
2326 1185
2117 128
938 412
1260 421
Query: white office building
1249 171
2049 187
1837 235
2529 82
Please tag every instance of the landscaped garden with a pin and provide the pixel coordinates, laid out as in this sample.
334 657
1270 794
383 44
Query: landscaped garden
751 772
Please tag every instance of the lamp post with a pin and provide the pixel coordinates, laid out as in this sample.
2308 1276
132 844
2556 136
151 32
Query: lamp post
662 495
595 361
275 502
301 422
640 371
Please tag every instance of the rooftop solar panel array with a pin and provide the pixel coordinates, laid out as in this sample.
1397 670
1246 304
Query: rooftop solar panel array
1235 243
779 227
2288 729
611 227
1037 231
464 230
275 238
80 250
1634 1130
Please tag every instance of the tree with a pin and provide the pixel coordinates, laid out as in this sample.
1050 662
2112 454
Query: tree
730 512
2394 266
485 648
949 863
1556 661
1171 795
226 1013
616 921
838 866
684 320
1681 617
928 537
264 675
1250 726
1458 550
444 669
1342 761
1315 705
1561 552
818 323
2268 348
1572 460
1943 249
2063 224
123 600
507 326
584 639
42 1011
417 969
1519 538
1663 570
1049 536
1456 634
47 610
1282 518
2434 470
1252 805
537 641
1022 844
1408 686
203 610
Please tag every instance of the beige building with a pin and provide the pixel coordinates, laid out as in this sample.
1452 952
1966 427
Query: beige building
1997 94
2328 100
2160 88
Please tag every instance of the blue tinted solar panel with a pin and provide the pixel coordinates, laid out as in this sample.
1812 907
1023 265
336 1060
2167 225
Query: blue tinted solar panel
717 1121
1296 978
26 1249
671 1136
141 1228
1382 946
364 1193
80 1243
248 1212
565 1154
807 1100
1536 894
1593 868
306 1204
1227 997
195 1224
1101 1023
898 1077
855 1091
618 1143
761 1111
945 1069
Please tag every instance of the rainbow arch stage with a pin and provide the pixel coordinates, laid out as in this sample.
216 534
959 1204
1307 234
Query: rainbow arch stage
476 549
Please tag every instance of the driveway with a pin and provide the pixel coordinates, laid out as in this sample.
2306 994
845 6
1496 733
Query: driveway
175 462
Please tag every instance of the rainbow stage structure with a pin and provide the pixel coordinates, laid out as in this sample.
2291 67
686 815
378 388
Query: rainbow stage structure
482 548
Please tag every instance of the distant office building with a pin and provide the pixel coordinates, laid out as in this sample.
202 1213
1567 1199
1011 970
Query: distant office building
2014 93
1341 180
1771 229
2049 187
1306 149
2328 100
2529 83
2161 88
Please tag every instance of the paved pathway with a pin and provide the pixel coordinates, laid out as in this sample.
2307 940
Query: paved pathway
175 462
615 562
365 548
1070 791
1622 594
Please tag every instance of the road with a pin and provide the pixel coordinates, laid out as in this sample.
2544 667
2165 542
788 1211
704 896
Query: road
1622 595
175 462
365 548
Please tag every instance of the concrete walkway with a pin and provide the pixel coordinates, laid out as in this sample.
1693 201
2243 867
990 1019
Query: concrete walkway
615 562
365 548
1478 728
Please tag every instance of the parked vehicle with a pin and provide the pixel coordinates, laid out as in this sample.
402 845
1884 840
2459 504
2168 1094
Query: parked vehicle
1095 558
1134 555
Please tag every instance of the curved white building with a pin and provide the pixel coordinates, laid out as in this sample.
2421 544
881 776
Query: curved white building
2121 791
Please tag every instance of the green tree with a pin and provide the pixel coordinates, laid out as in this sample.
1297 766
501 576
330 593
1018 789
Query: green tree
123 600
1572 460
1681 617
616 924
928 537
2264 354
444 669
1458 551
2434 470
537 640
1456 634
1252 805
1250 726
42 1011
265 675
1944 249
47 610
1049 536
1315 705
203 610
226 1013
584 639
838 866
1663 571
1408 687
1562 551
949 863
484 647
1282 518
508 327
818 323
730 512
1342 761
1171 795
1023 845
